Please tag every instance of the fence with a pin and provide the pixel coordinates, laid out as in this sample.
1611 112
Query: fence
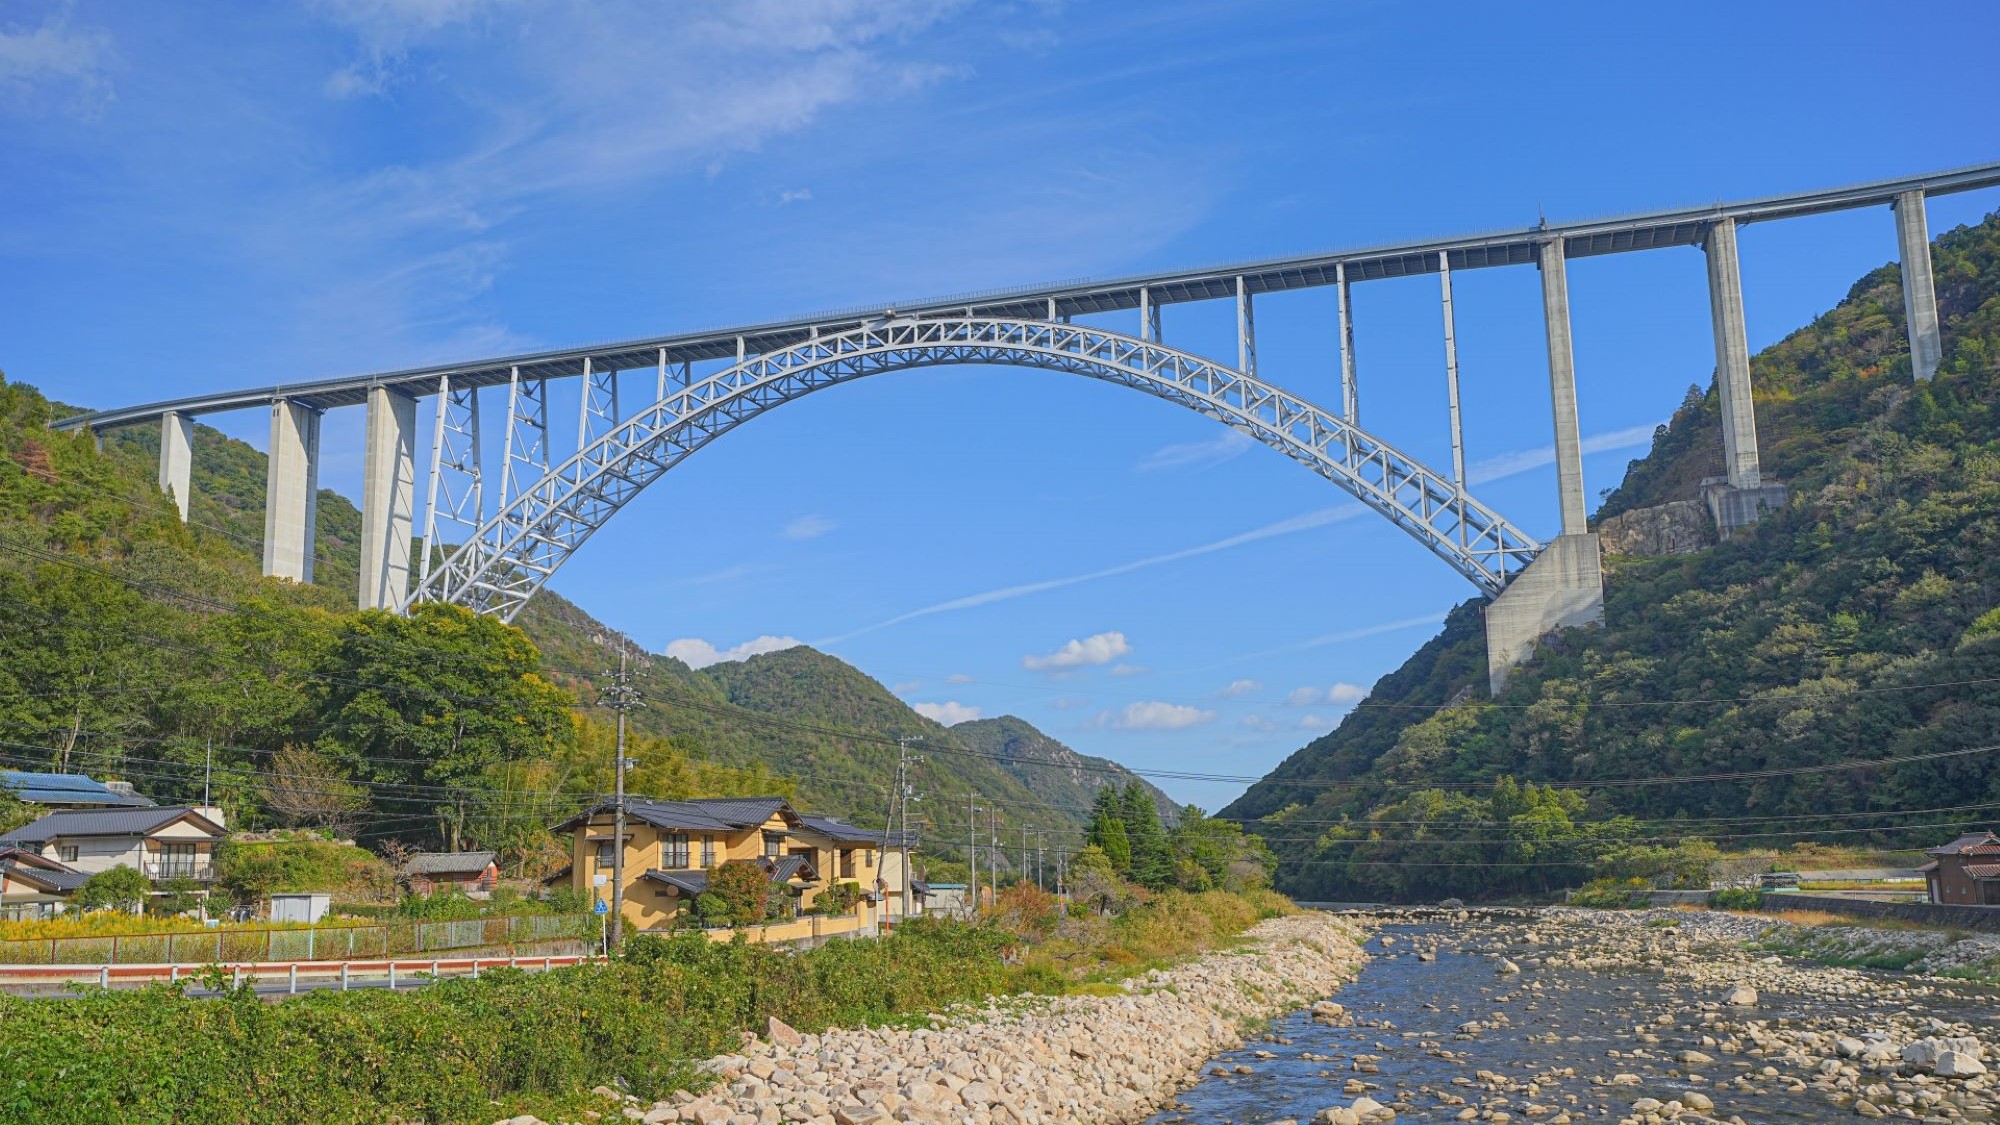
303 944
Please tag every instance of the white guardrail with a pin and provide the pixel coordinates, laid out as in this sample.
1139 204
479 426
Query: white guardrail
296 976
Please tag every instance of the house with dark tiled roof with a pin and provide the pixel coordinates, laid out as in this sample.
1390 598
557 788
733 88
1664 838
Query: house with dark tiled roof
162 842
472 874
32 886
1965 872
672 848
70 791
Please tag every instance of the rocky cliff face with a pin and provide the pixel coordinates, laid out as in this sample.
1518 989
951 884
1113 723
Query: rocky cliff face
1678 527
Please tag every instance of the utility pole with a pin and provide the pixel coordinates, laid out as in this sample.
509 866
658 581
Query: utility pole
993 845
1024 853
1062 871
899 800
1041 847
208 771
621 697
972 852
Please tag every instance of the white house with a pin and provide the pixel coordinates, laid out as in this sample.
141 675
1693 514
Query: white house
162 843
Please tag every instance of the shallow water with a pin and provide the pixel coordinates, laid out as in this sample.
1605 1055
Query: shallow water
1406 1010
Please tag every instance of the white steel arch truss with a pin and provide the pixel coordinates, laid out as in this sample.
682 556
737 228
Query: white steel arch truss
520 546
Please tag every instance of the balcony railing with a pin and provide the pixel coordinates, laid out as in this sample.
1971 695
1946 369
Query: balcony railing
163 870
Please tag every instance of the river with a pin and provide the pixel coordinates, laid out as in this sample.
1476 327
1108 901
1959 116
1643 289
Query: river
1549 1041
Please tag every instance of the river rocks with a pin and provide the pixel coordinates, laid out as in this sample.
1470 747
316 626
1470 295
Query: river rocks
1102 1060
781 1033
1506 967
1958 1064
1742 996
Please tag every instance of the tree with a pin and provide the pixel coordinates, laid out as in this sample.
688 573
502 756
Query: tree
1212 853
304 788
433 700
745 888
1152 860
1107 830
119 888
1093 883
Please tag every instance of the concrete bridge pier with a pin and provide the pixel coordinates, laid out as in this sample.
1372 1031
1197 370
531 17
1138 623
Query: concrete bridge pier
388 498
1742 495
176 458
1913 240
1564 586
291 491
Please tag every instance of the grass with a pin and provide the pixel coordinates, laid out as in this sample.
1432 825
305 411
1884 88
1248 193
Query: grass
454 1052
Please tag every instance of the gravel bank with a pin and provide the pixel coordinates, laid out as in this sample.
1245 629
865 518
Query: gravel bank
1101 1060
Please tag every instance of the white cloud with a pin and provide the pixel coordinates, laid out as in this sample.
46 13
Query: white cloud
1227 445
1239 688
1129 670
809 527
1493 469
1258 722
950 714
697 653
1156 716
1340 694
1101 648
1070 703
958 678
801 195
1526 460
1314 722
56 66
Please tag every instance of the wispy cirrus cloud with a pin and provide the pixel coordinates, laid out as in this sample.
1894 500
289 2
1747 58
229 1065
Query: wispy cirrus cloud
1496 468
1226 446
56 67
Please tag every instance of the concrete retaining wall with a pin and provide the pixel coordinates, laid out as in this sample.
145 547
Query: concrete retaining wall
1984 918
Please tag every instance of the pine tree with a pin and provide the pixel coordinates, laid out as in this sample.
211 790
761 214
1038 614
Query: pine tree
1107 830
1152 855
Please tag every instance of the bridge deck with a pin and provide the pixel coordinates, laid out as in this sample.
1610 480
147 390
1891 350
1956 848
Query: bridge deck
1646 231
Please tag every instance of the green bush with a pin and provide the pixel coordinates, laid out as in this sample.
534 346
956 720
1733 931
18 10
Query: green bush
119 888
1611 894
1737 898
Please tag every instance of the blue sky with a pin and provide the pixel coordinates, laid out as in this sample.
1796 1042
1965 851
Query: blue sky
200 196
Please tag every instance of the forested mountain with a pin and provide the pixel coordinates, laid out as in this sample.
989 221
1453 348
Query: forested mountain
134 646
1857 623
1052 771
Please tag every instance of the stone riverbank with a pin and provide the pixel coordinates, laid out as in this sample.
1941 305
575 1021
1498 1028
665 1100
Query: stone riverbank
1100 1060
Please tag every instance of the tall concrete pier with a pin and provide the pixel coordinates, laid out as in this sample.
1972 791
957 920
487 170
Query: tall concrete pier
1564 586
176 458
1913 240
291 491
388 498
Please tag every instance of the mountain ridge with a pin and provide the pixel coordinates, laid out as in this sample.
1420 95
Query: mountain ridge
1832 631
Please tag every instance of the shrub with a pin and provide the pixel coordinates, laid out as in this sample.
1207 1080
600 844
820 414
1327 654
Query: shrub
120 888
1736 898
1610 894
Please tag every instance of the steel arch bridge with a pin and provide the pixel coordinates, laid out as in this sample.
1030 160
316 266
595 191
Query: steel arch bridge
515 552
491 539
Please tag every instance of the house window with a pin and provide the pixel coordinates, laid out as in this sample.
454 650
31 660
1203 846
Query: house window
177 861
674 851
66 853
774 844
604 858
847 863
708 851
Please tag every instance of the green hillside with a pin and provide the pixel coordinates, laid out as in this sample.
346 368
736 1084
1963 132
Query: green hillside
1860 622
1052 771
131 644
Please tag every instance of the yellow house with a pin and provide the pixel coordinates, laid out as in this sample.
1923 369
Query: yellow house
672 846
